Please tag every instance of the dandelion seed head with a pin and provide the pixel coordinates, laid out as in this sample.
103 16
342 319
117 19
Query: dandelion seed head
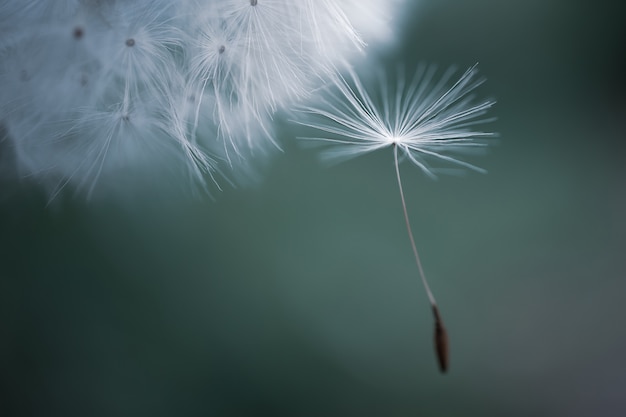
121 75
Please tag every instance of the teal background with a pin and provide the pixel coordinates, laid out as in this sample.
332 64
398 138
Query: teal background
298 295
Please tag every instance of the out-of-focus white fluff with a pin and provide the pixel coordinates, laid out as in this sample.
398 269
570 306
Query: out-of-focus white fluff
89 88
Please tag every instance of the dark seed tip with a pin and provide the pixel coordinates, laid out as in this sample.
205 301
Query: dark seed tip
78 32
442 344
130 42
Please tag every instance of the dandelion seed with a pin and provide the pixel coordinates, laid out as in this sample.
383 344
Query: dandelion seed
426 121
78 32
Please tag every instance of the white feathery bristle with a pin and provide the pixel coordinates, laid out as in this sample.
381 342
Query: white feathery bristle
431 121
199 79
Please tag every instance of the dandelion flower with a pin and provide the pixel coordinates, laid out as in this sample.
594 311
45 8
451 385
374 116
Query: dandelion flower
427 121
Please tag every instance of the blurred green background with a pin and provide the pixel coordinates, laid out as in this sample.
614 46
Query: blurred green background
299 296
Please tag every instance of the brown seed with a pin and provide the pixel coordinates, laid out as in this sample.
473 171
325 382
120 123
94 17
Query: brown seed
442 347
78 32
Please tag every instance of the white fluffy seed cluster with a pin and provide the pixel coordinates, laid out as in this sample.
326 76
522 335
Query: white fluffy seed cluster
92 89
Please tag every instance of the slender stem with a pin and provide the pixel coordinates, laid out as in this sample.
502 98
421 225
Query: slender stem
442 344
431 297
